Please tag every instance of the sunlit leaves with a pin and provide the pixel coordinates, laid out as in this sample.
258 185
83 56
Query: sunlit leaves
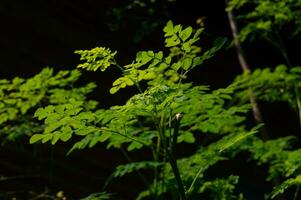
185 34
174 35
63 120
270 85
20 97
169 29
134 73
121 82
96 58
154 67
186 136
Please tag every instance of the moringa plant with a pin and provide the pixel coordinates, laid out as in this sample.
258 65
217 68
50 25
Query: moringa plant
165 112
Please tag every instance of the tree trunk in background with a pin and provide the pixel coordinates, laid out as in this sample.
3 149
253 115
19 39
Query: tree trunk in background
246 69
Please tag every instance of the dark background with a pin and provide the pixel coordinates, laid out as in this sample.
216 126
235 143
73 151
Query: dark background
35 34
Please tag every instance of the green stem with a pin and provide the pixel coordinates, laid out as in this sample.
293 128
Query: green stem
123 71
282 48
194 181
155 182
117 65
156 168
173 161
127 136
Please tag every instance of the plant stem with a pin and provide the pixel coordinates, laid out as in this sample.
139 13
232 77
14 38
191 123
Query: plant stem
127 136
117 65
282 48
172 159
123 71
194 181
156 159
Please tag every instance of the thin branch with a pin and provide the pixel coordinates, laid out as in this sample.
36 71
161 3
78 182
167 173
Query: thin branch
194 181
123 71
127 136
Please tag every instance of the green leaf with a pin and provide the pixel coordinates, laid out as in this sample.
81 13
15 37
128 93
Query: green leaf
113 90
96 58
65 136
186 47
188 137
197 34
47 137
104 136
134 145
42 113
55 138
296 70
35 138
187 63
168 60
118 81
66 130
185 34
144 56
229 141
176 66
168 29
172 41
219 43
197 61
177 28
